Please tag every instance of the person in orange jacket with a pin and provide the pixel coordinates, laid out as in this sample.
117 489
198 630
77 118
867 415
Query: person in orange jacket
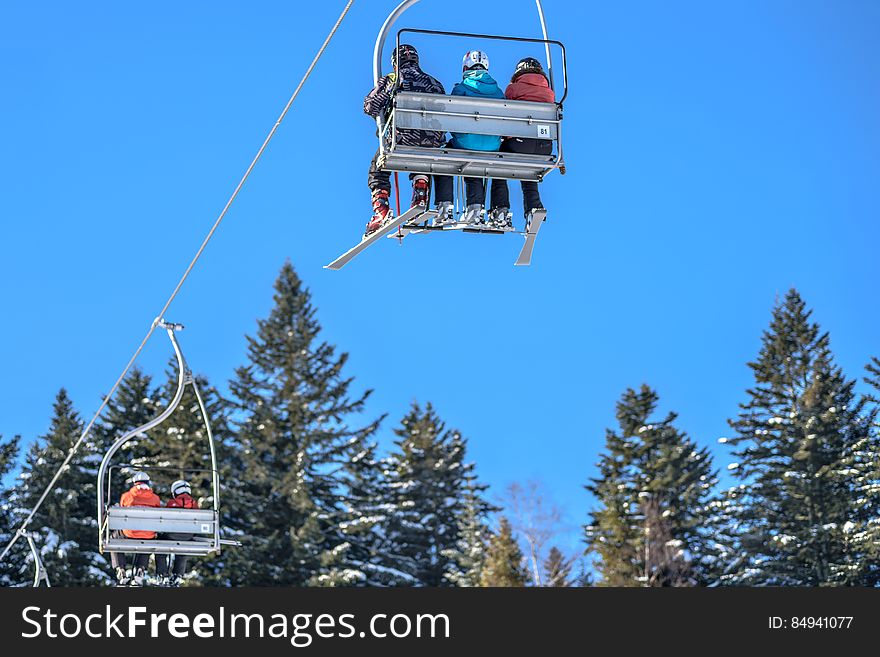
140 494
181 498
529 82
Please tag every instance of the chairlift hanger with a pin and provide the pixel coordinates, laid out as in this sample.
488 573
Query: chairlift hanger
204 524
40 573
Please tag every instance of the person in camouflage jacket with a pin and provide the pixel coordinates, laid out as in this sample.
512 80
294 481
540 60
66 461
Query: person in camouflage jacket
407 76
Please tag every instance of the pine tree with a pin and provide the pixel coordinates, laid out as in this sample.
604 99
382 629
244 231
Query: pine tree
428 478
863 531
469 553
584 578
64 526
292 418
653 491
873 378
557 569
795 450
364 517
613 533
11 566
505 565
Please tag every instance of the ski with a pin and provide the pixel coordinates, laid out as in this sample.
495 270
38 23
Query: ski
531 234
389 227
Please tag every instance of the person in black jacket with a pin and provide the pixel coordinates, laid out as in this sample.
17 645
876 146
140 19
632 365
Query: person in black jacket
408 76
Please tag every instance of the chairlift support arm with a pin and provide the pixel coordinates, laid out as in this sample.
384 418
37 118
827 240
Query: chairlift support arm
40 572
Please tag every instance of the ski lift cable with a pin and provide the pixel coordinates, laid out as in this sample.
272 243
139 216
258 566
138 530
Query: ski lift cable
180 283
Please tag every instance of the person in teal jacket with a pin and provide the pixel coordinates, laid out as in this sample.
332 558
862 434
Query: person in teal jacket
477 82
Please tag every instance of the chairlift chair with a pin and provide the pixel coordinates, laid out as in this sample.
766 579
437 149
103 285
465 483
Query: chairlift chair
464 114
203 524
483 116
490 116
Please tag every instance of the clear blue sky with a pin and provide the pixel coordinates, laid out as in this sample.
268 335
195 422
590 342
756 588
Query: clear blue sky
718 153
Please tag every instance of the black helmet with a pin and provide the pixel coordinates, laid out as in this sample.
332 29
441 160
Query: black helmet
527 65
404 53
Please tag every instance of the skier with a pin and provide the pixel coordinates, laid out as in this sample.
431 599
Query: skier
181 498
407 75
140 494
529 82
476 81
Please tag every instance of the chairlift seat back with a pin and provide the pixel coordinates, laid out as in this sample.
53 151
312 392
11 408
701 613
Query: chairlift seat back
162 520
484 116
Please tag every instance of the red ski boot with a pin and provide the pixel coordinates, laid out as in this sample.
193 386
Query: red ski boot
421 192
381 211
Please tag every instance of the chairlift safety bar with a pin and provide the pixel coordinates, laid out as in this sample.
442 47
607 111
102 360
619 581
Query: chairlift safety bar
473 35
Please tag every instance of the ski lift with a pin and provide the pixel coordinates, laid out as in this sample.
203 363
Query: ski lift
202 524
464 114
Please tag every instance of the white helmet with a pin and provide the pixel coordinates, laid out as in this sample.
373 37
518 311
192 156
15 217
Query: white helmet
140 477
474 58
179 487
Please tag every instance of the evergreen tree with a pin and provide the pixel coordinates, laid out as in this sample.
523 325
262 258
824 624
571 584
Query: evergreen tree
873 378
653 490
613 533
797 443
294 435
505 565
364 517
11 566
584 578
469 553
557 569
428 479
863 531
64 526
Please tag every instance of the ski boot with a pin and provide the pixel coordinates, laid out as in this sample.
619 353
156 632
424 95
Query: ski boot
123 576
445 214
529 216
421 191
139 577
473 215
500 218
381 212
175 581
